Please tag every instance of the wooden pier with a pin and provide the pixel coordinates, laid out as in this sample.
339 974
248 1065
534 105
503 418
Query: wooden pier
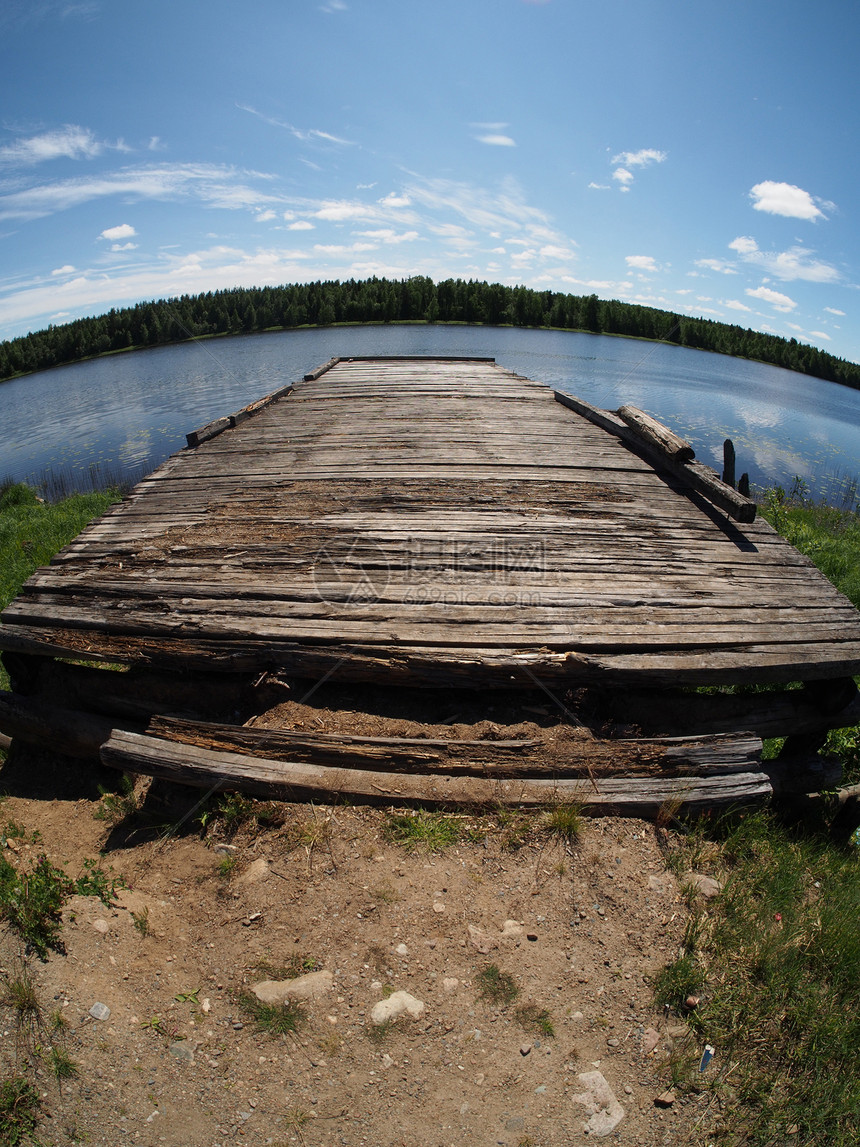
429 524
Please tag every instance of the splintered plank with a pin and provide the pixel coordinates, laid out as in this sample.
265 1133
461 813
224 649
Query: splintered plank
284 779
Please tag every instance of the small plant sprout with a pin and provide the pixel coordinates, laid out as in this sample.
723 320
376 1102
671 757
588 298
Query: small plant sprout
140 920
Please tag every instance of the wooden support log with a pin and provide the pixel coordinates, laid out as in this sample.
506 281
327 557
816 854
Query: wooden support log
777 713
66 731
660 437
284 780
569 756
702 479
140 693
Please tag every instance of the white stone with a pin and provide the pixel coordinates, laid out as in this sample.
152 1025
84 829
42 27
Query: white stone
395 1005
306 987
402 950
450 983
598 1099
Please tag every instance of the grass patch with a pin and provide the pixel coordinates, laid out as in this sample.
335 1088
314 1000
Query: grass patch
777 960
535 1019
496 986
31 532
564 822
274 1019
31 901
20 1108
422 829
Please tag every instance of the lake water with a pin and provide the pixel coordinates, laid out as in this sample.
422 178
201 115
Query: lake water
122 416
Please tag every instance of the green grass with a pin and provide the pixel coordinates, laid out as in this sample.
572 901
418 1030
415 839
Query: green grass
31 532
31 901
776 960
422 829
496 986
20 1108
274 1019
535 1019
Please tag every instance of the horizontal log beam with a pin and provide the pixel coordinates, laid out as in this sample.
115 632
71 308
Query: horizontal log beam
700 478
280 780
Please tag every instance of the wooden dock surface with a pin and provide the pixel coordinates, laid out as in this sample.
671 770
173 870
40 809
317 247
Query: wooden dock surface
432 522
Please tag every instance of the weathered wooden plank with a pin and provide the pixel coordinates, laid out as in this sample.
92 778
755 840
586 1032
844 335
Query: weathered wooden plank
206 768
569 756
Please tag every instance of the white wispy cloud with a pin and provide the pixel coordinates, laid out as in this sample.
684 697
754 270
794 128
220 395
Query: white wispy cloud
735 305
306 135
210 184
786 199
624 177
66 269
834 311
719 265
301 225
599 186
820 335
795 263
495 140
69 142
778 301
389 235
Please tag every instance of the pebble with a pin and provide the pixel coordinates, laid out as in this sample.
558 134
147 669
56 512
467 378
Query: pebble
666 1099
182 1051
525 1048
705 885
402 950
100 1012
100 925
438 906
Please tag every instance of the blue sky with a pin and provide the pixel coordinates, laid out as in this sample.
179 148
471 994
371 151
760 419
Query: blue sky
697 155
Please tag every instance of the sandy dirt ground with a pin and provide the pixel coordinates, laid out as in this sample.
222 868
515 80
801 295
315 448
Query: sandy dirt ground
209 910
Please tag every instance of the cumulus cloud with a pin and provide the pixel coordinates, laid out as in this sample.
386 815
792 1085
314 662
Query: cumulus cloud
627 159
785 199
301 225
639 158
123 231
66 269
778 301
641 262
735 305
69 142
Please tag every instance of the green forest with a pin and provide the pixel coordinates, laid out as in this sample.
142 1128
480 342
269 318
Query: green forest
417 299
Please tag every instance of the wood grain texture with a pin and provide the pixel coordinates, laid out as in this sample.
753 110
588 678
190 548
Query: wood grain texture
435 522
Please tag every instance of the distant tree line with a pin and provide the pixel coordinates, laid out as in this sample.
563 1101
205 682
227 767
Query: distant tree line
244 310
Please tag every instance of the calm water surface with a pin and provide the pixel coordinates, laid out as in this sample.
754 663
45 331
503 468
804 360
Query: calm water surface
122 416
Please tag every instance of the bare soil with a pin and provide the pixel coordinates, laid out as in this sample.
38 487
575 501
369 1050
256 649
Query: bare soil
179 1061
